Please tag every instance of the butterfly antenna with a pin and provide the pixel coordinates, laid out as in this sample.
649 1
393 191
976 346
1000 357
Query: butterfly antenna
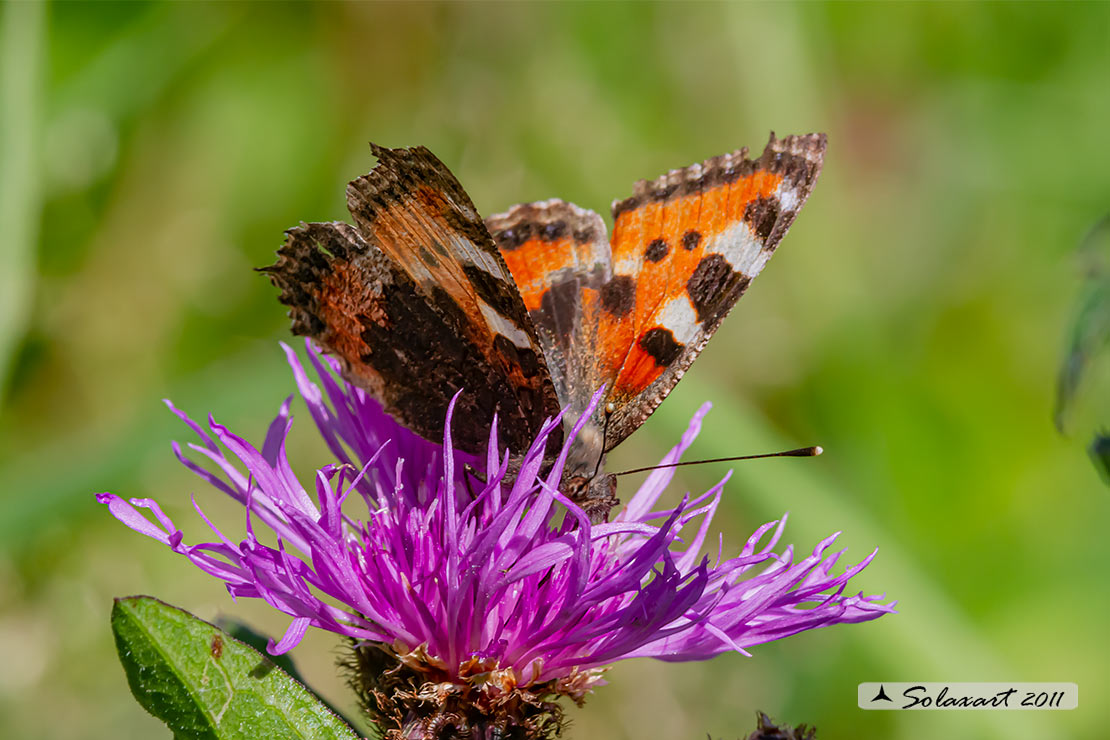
609 408
800 452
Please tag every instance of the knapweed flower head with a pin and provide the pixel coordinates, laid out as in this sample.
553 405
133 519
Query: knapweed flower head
473 590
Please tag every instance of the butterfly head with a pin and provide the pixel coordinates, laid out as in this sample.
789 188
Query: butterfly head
596 494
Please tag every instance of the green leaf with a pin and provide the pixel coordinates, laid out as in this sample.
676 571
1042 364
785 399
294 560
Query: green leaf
246 634
203 683
258 641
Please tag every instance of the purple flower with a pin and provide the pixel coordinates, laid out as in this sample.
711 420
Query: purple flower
459 575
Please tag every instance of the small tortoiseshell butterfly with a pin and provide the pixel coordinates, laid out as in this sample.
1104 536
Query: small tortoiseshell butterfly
533 310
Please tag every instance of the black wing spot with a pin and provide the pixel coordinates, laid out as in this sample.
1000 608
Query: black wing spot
515 237
761 215
714 287
656 250
553 231
618 295
691 240
661 345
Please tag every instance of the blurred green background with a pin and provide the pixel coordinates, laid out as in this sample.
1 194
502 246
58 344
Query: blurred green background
154 153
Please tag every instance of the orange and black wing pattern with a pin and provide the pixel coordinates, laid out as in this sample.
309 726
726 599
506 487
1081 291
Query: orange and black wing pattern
633 312
535 309
417 303
687 245
559 257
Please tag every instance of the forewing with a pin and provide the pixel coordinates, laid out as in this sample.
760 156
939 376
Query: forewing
686 246
417 304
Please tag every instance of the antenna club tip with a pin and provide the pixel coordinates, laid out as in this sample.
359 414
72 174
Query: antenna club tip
817 450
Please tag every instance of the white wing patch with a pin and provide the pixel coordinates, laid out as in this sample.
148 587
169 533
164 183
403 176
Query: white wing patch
788 197
679 316
501 325
739 246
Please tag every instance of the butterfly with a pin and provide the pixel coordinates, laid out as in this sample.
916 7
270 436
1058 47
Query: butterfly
533 310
